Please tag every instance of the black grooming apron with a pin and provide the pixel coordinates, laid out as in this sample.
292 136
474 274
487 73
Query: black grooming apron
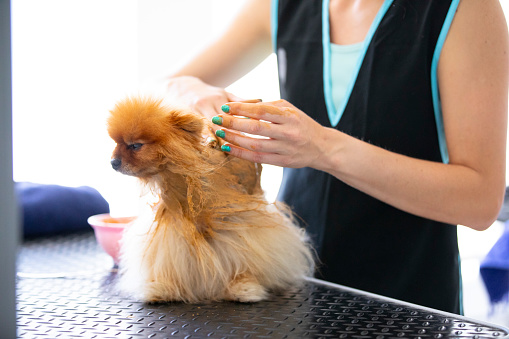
361 241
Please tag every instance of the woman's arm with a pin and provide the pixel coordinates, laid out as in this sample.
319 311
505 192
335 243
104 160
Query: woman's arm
247 41
473 81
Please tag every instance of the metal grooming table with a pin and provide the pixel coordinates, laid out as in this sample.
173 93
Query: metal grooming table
66 289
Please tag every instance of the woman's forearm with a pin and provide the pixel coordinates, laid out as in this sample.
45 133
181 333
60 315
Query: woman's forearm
245 43
451 193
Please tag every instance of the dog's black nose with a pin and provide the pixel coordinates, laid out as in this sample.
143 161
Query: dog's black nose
115 163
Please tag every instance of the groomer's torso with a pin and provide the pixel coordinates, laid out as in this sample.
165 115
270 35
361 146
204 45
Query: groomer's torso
362 241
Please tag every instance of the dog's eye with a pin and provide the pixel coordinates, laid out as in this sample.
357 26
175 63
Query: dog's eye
135 146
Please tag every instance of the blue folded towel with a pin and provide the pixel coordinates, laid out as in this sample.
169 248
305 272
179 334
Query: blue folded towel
53 209
495 266
495 269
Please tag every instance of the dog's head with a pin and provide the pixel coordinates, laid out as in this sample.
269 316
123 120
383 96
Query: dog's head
152 137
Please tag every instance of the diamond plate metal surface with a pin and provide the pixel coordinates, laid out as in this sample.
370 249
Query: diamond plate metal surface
67 289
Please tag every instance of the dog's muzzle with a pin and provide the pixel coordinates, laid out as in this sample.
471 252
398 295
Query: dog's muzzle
115 163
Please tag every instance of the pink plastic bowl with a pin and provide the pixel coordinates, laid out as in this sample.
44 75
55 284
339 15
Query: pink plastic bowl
108 232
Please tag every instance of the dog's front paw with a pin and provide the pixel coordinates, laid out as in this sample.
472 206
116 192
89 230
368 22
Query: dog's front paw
246 290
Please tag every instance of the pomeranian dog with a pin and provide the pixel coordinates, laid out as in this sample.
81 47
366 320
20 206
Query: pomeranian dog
212 235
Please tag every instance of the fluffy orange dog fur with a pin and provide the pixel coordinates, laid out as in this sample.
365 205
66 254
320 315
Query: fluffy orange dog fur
212 235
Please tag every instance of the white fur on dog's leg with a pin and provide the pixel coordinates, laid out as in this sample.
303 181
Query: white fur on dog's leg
246 289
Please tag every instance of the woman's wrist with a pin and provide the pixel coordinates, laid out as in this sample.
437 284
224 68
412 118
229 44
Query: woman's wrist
331 144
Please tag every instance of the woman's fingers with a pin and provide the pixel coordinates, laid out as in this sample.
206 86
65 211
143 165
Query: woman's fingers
265 145
276 112
250 101
263 119
211 106
258 157
250 126
233 97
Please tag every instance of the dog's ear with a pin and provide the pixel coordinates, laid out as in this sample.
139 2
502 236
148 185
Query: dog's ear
187 121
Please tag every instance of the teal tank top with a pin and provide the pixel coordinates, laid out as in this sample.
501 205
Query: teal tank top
344 58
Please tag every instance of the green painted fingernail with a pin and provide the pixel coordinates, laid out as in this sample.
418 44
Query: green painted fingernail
217 120
226 148
225 108
220 133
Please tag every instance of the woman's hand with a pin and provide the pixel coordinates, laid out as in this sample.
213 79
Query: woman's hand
278 133
199 96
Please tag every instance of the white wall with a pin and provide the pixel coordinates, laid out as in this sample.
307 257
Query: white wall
71 61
